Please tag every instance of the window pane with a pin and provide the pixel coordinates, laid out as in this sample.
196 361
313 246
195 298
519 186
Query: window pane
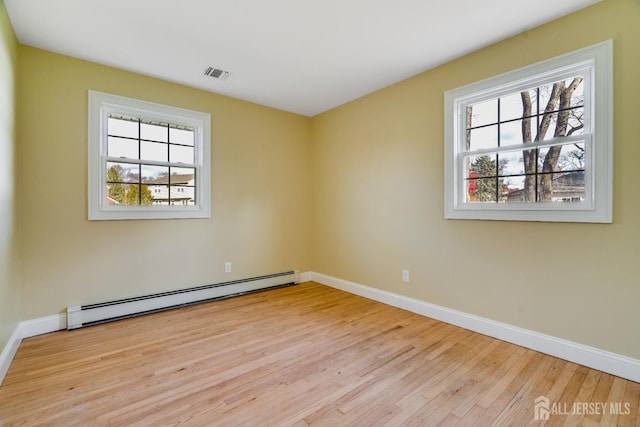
133 194
568 187
138 194
544 133
511 133
185 176
568 157
484 113
545 97
120 147
572 157
575 122
122 172
481 166
564 123
116 178
154 174
182 195
115 194
486 137
577 96
511 106
181 136
481 190
471 186
124 128
181 154
513 190
154 151
154 132
160 194
114 173
511 163
561 187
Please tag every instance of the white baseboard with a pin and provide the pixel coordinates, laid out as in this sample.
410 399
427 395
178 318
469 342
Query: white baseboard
26 329
305 277
9 351
612 363
43 325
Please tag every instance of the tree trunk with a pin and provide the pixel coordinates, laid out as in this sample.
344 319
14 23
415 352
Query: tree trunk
551 159
529 156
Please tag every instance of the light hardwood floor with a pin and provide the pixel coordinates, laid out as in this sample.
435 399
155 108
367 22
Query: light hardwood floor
303 355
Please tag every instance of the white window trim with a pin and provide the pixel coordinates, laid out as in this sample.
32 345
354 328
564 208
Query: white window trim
598 61
100 105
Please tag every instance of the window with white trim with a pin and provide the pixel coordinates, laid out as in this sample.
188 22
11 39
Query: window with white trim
533 144
147 160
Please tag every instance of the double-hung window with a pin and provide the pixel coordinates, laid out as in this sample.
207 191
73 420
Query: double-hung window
534 144
147 160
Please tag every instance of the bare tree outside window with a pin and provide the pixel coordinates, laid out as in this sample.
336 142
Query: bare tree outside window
543 113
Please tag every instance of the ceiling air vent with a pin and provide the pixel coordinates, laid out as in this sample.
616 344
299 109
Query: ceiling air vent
217 73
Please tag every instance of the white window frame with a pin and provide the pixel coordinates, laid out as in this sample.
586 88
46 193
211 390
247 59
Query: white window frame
103 104
596 64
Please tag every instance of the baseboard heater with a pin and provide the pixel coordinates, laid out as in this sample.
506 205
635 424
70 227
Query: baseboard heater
79 316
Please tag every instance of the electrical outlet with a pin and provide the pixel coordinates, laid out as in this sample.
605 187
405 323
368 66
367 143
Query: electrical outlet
405 276
227 267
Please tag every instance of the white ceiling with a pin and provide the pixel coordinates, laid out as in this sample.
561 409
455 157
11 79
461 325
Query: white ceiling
296 55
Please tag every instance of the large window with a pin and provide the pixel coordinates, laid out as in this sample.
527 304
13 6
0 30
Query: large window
534 144
146 160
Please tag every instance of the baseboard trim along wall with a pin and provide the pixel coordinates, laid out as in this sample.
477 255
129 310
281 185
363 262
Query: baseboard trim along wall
26 329
43 325
612 363
9 351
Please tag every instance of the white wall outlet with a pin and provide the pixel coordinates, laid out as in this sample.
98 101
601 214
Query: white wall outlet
227 267
405 276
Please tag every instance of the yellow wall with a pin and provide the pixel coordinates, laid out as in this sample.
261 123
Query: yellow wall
260 199
9 264
355 193
378 200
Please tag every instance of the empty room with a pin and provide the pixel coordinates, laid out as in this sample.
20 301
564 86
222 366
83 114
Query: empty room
340 213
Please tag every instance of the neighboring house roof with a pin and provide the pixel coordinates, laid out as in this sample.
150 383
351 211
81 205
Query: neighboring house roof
569 181
175 179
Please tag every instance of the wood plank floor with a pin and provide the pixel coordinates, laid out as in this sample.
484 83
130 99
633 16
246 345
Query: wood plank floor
303 355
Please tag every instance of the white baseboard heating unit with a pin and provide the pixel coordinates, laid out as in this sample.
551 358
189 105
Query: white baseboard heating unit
79 316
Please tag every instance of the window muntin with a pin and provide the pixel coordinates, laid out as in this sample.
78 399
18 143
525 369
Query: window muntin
533 144
147 160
